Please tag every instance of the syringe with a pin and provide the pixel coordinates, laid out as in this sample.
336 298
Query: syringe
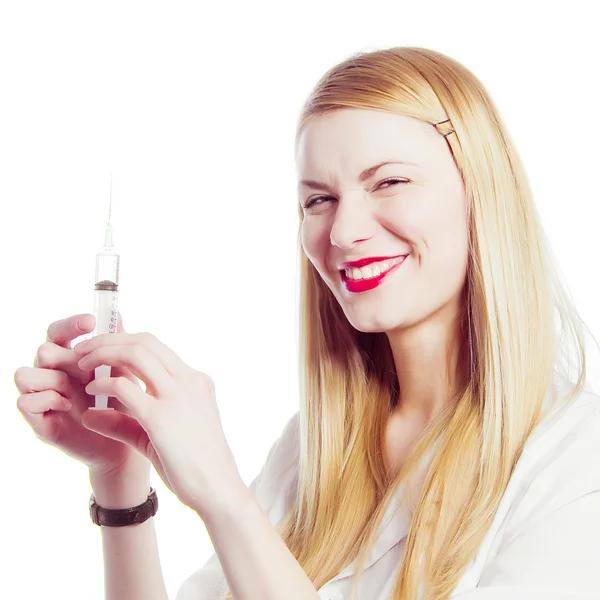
105 298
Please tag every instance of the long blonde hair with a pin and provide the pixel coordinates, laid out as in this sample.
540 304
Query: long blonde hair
511 345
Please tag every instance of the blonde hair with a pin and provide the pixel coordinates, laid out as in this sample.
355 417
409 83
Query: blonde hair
510 340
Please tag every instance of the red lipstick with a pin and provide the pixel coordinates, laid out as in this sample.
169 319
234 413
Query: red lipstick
363 262
364 285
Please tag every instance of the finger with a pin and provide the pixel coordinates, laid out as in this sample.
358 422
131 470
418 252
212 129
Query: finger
120 328
118 426
64 331
162 353
51 356
122 371
138 359
28 379
56 365
138 402
44 412
35 404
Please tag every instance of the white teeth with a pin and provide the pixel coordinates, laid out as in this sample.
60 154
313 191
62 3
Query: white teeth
373 270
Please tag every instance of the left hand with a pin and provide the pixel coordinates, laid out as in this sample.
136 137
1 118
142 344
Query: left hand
175 423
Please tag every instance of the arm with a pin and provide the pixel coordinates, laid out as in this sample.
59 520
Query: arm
268 497
131 564
256 562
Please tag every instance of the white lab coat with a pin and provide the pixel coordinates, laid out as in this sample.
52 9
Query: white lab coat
544 542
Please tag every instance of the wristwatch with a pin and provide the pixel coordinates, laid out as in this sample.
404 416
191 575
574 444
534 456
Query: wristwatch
125 516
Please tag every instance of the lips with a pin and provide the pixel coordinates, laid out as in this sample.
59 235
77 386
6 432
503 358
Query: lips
364 285
363 262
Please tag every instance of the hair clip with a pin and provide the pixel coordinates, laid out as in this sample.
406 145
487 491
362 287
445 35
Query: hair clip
446 121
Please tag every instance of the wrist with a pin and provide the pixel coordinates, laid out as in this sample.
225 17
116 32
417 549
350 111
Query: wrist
229 506
118 491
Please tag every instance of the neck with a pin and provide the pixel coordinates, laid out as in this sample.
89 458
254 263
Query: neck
427 364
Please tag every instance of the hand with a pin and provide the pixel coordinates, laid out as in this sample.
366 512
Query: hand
175 423
53 399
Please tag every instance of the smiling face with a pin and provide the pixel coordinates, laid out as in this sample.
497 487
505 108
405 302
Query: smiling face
416 208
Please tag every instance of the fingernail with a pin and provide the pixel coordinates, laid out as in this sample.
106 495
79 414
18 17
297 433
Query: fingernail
84 322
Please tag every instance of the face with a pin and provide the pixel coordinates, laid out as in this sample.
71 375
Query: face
416 208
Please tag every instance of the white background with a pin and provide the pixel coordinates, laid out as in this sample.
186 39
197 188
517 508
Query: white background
193 106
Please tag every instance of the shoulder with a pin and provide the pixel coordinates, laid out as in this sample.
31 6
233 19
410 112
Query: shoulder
560 463
276 483
285 450
546 531
569 433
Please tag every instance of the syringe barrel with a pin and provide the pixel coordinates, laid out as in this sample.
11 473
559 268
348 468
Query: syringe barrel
107 269
105 311
105 307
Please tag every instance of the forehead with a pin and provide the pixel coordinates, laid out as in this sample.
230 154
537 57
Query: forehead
352 138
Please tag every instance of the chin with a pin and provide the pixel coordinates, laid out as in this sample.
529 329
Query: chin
374 325
371 329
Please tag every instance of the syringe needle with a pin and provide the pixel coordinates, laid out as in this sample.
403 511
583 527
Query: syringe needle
108 228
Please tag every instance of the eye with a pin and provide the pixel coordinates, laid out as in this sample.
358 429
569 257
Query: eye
390 180
393 180
313 201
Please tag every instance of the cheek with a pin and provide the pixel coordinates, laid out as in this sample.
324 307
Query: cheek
315 241
438 218
447 246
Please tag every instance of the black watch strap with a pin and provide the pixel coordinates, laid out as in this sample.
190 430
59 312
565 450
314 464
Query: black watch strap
124 516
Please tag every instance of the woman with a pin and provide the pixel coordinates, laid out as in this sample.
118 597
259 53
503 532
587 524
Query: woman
441 449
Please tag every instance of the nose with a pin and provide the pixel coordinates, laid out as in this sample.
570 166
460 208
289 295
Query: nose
353 222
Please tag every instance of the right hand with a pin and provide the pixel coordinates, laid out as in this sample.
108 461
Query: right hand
54 398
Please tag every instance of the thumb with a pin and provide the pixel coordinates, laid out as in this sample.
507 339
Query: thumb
118 426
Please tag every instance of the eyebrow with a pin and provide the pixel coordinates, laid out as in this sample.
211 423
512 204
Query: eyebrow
366 174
